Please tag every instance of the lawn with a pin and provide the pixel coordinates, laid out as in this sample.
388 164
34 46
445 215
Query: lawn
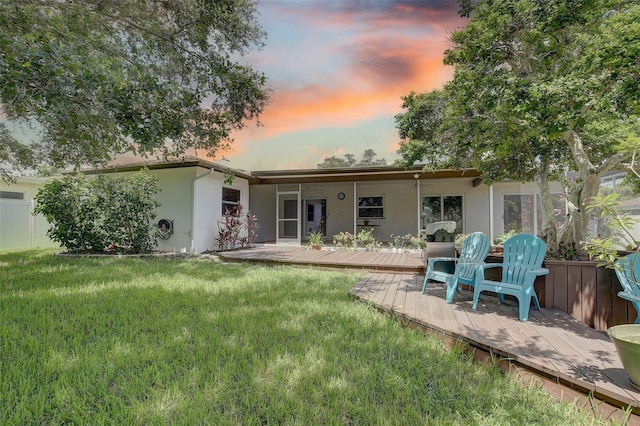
187 341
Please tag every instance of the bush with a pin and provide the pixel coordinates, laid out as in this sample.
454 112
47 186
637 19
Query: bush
363 238
102 213
407 241
344 239
237 229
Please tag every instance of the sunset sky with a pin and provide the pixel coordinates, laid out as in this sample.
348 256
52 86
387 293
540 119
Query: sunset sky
338 70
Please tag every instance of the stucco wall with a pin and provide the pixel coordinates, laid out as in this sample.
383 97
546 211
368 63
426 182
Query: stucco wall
208 206
400 205
475 200
262 204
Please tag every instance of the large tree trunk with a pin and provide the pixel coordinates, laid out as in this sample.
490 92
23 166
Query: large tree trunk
548 231
577 225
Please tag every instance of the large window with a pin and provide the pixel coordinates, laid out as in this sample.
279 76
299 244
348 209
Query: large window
523 212
371 207
230 199
438 208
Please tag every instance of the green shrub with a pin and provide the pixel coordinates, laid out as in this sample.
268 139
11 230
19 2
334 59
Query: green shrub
364 239
407 241
367 240
101 213
344 239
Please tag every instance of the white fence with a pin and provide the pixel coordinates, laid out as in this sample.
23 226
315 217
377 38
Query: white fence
19 229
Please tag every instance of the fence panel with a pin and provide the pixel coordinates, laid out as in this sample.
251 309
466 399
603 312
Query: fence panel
19 229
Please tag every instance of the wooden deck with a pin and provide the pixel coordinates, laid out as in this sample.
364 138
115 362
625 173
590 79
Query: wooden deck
551 344
410 263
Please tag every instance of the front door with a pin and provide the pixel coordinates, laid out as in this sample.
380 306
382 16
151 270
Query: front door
315 216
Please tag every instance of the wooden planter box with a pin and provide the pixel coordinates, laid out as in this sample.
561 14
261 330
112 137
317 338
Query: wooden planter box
584 291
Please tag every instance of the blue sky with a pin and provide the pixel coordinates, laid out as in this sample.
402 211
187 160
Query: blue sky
338 69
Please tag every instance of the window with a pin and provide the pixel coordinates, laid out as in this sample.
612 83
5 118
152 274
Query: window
371 207
523 212
10 195
230 199
438 208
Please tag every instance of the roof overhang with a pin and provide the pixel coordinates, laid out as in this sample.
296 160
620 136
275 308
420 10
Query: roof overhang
169 164
357 174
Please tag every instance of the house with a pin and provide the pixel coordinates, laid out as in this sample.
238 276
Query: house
289 204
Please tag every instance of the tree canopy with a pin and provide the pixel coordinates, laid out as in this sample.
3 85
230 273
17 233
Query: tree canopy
97 78
539 88
349 160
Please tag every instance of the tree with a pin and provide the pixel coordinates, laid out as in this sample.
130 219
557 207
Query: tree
540 88
96 79
349 160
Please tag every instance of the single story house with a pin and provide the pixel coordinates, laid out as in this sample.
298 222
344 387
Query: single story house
289 204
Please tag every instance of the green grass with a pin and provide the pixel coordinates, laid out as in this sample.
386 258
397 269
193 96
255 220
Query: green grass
168 341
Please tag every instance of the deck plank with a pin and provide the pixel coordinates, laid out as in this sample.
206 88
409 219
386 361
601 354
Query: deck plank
551 343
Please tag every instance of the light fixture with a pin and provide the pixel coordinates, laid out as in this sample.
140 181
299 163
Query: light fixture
416 176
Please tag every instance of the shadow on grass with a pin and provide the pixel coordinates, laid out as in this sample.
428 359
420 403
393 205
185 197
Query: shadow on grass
191 342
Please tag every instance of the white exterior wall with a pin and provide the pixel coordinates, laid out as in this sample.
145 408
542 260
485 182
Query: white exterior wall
339 212
400 205
208 206
262 202
176 204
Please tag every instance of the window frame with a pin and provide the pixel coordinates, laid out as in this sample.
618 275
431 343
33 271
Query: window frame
230 204
361 208
442 209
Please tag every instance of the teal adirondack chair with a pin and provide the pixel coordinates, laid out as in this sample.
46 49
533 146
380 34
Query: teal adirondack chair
522 263
474 251
628 272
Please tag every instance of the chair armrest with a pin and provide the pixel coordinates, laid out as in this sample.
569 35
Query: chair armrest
539 271
432 261
628 296
481 267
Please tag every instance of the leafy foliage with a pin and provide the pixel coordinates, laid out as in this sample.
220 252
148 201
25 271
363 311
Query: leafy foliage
95 79
364 239
315 239
539 88
619 226
349 160
101 213
237 229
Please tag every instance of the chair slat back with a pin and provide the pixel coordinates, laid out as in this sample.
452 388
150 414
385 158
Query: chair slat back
522 253
475 249
628 272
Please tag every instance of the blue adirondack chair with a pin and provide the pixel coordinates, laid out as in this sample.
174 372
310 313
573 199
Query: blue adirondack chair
628 272
474 251
522 263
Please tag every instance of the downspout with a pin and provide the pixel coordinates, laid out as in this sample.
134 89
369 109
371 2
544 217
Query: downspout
195 200
491 213
418 204
355 208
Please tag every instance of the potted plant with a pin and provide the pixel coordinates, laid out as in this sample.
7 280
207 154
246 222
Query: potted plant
625 337
315 240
